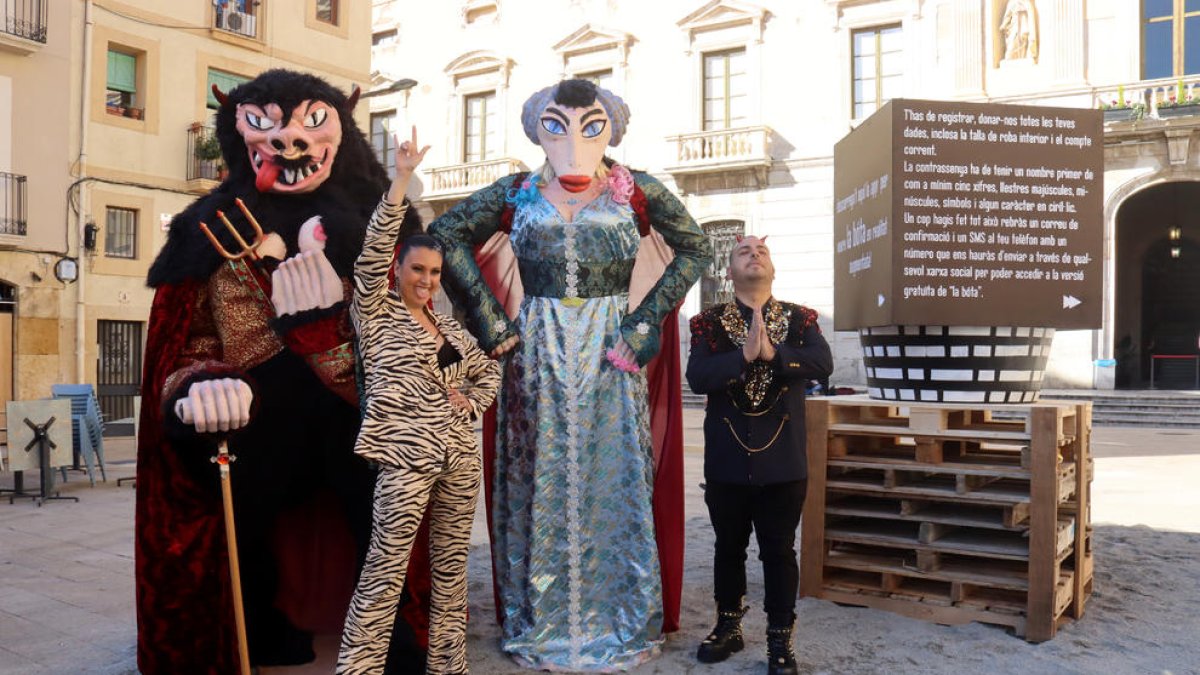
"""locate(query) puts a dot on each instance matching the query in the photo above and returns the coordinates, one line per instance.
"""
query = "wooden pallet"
(940, 512)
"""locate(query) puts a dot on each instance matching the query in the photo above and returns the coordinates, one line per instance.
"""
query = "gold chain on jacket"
(778, 430)
(759, 373)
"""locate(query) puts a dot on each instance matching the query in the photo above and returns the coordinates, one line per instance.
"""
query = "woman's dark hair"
(419, 240)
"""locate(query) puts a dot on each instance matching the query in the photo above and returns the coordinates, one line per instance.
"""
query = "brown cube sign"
(969, 214)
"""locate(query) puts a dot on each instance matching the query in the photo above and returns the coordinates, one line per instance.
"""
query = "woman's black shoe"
(724, 640)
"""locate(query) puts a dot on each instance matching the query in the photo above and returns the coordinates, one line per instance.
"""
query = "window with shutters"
(382, 141)
(225, 82)
(120, 232)
(327, 11)
(1170, 38)
(877, 75)
(725, 95)
(479, 127)
(121, 96)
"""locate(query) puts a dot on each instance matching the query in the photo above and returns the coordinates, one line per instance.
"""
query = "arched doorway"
(1157, 325)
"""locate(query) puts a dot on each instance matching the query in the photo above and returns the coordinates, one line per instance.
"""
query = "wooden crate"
(940, 512)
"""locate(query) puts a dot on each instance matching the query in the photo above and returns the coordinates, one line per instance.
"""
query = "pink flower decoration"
(620, 184)
(620, 363)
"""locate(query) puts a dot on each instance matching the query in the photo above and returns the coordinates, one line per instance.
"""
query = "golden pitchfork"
(247, 249)
(223, 457)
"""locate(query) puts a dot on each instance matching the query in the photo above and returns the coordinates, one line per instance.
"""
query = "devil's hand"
(306, 280)
(216, 405)
(303, 282)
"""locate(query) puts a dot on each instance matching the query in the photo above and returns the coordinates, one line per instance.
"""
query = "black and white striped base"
(955, 364)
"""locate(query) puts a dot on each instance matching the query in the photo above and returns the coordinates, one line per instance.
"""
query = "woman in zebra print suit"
(425, 381)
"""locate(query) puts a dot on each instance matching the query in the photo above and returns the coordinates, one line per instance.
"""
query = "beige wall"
(130, 163)
(35, 121)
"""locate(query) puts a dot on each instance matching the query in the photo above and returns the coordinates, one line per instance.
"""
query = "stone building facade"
(104, 113)
(737, 105)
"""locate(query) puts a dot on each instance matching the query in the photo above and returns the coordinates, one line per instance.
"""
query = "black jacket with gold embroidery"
(754, 421)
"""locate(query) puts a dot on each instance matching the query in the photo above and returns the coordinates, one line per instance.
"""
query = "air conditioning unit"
(237, 22)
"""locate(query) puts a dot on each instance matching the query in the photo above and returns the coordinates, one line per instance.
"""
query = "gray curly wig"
(575, 93)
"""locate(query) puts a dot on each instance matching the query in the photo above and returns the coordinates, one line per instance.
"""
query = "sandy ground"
(66, 587)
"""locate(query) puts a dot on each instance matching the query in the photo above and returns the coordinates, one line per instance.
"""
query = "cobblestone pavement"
(66, 583)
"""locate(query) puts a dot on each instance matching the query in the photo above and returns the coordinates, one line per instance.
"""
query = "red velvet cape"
(185, 610)
(184, 598)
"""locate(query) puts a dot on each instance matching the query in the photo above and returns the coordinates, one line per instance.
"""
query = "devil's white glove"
(216, 405)
(306, 280)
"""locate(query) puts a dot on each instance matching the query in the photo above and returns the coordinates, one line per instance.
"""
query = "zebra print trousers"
(401, 497)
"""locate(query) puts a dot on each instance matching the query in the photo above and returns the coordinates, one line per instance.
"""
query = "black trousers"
(773, 513)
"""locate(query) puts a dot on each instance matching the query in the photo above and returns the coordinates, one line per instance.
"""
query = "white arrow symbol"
(880, 300)
(1071, 302)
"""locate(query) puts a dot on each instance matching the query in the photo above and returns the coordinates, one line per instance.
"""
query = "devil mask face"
(291, 151)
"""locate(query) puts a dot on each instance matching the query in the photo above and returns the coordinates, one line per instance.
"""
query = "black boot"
(725, 639)
(780, 658)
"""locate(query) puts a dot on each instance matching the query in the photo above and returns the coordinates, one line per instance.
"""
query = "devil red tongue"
(266, 176)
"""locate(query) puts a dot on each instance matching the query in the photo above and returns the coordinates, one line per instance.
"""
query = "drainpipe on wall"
(85, 89)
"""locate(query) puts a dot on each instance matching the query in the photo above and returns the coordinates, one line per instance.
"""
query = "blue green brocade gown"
(573, 539)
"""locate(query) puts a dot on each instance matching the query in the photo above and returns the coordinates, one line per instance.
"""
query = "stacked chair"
(87, 425)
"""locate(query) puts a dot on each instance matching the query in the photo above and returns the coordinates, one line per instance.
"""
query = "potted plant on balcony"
(208, 149)
(1180, 102)
(1122, 109)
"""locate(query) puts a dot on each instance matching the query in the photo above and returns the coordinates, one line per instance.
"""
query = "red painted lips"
(575, 183)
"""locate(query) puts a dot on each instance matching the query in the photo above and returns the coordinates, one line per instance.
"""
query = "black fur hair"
(575, 93)
(344, 201)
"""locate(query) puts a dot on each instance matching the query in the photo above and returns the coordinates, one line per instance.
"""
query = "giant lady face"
(574, 140)
(574, 121)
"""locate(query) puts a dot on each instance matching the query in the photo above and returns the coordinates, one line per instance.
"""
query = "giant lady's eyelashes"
(594, 128)
(554, 126)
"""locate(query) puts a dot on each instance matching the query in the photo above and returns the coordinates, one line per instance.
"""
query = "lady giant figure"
(573, 529)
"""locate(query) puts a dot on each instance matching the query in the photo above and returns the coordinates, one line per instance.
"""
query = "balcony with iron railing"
(237, 18)
(730, 153)
(456, 181)
(205, 165)
(1159, 99)
(12, 205)
(23, 24)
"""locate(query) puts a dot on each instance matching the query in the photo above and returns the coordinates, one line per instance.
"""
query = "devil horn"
(354, 94)
(737, 238)
(764, 238)
(222, 97)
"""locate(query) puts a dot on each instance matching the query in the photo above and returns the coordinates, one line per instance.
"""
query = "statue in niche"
(1018, 27)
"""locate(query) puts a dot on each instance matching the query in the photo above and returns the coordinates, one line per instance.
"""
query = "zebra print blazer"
(409, 421)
